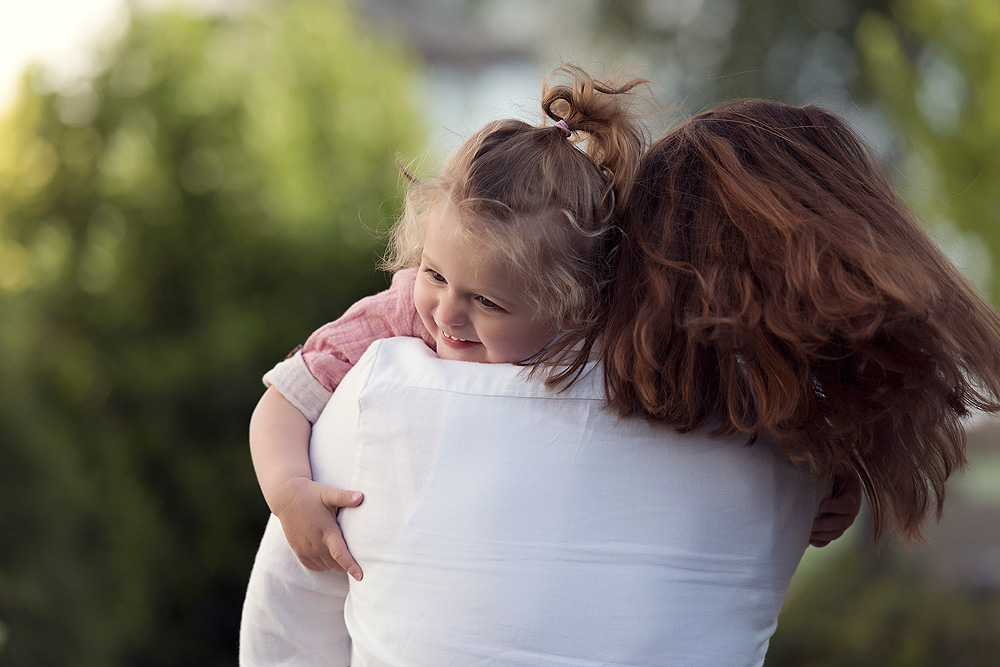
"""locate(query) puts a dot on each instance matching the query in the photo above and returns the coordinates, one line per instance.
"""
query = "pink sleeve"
(335, 347)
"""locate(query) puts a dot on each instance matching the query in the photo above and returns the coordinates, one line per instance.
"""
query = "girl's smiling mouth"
(455, 341)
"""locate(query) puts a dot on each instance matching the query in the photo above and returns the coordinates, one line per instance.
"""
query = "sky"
(59, 34)
(52, 32)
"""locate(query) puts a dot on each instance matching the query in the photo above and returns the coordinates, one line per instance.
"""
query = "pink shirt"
(308, 378)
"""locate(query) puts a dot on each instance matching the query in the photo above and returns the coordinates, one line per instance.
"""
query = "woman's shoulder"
(408, 361)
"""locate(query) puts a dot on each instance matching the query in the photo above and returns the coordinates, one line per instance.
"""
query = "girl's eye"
(486, 303)
(436, 276)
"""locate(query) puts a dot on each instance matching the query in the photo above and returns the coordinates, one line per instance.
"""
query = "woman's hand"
(838, 511)
(307, 511)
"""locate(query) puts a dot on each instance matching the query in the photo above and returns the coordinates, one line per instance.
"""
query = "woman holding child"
(767, 289)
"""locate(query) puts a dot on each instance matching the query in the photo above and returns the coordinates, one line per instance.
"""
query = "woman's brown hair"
(771, 282)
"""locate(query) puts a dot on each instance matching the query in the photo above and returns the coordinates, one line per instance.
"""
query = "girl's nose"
(451, 311)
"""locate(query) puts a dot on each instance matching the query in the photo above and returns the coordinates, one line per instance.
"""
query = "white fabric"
(506, 525)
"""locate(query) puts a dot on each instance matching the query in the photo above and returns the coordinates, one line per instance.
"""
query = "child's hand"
(838, 511)
(307, 513)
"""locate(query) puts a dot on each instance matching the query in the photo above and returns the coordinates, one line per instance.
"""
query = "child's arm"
(279, 445)
(299, 388)
(839, 510)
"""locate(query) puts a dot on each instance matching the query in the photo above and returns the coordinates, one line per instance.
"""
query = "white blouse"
(507, 525)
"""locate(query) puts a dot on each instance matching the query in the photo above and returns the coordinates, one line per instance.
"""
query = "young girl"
(512, 240)
(771, 281)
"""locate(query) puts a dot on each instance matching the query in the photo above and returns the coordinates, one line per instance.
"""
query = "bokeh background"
(188, 189)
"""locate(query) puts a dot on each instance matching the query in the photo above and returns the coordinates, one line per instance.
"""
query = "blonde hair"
(530, 197)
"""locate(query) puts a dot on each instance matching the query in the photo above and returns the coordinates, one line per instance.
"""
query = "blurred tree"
(868, 609)
(168, 230)
(935, 66)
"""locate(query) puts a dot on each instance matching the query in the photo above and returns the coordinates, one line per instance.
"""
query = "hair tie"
(561, 124)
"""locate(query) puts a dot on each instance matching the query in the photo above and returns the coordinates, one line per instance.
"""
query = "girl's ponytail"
(605, 115)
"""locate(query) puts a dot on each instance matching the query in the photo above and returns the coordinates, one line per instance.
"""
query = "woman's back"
(506, 524)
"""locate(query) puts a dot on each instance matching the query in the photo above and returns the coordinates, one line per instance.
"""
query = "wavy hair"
(771, 282)
(540, 200)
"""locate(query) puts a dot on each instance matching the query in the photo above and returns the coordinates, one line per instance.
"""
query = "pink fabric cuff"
(292, 378)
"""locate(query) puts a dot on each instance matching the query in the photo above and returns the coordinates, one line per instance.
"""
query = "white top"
(506, 525)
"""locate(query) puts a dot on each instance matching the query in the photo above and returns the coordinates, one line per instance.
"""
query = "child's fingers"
(839, 510)
(820, 541)
(342, 556)
(832, 523)
(314, 564)
(829, 527)
(845, 497)
(823, 535)
(333, 497)
(336, 556)
(848, 505)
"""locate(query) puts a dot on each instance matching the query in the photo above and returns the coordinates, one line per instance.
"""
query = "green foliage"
(935, 65)
(168, 230)
(882, 610)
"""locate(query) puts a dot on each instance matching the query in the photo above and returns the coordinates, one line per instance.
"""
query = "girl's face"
(467, 304)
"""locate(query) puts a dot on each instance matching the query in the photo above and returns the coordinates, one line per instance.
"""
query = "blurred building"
(486, 59)
(473, 72)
